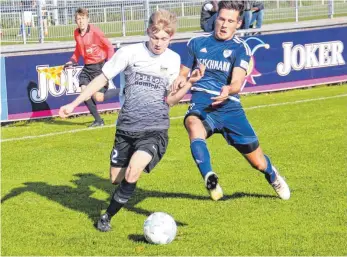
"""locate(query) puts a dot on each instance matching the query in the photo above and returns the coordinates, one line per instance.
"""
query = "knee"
(133, 174)
(195, 128)
(191, 123)
(99, 97)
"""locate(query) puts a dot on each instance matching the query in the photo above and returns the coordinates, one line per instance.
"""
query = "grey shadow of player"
(80, 198)
(37, 106)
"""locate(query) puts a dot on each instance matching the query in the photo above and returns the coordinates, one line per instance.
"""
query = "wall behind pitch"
(298, 59)
(30, 94)
(3, 89)
(279, 61)
(292, 60)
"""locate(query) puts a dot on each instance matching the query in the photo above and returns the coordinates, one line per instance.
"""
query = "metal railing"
(53, 20)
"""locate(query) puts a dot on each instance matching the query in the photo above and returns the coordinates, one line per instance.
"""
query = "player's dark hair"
(237, 5)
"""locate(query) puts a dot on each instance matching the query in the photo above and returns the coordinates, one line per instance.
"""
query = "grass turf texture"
(54, 188)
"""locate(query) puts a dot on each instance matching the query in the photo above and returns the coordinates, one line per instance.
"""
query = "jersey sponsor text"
(215, 65)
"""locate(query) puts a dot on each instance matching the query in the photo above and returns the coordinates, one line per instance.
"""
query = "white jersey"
(145, 80)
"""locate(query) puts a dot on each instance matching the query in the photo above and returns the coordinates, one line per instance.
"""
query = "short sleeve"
(243, 57)
(189, 58)
(117, 63)
(175, 69)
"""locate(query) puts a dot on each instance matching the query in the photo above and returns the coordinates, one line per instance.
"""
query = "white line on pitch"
(172, 118)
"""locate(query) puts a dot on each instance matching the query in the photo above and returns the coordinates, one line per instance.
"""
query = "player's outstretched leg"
(120, 197)
(202, 158)
(276, 181)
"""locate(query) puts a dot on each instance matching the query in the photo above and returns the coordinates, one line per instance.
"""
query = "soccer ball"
(159, 228)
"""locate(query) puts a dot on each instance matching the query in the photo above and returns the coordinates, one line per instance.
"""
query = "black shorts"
(127, 143)
(89, 72)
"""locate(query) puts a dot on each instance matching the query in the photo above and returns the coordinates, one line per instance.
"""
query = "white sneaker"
(280, 186)
(214, 189)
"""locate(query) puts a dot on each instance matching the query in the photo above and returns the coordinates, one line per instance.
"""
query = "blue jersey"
(219, 57)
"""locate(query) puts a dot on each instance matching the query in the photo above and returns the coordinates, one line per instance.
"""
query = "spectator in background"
(253, 12)
(26, 16)
(257, 14)
(247, 15)
(209, 12)
(44, 15)
(95, 49)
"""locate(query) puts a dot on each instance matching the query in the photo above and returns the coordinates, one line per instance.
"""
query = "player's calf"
(120, 197)
(276, 181)
(201, 155)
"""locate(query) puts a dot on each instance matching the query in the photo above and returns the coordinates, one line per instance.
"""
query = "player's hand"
(179, 82)
(224, 94)
(197, 74)
(69, 64)
(66, 110)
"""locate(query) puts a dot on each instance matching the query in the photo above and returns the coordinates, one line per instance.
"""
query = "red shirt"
(93, 46)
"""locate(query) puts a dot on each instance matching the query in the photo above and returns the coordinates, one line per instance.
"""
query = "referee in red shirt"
(95, 49)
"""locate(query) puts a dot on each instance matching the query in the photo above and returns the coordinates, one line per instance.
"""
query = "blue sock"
(201, 156)
(269, 172)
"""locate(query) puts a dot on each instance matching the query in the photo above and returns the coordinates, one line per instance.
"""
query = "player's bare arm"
(181, 79)
(94, 86)
(175, 96)
(234, 87)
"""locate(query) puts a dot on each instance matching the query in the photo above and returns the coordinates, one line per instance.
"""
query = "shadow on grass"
(137, 238)
(52, 121)
(49, 121)
(79, 198)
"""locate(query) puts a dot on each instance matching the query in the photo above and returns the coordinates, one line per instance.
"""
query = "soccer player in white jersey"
(215, 104)
(148, 71)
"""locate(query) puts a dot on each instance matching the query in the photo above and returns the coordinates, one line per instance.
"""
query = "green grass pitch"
(53, 188)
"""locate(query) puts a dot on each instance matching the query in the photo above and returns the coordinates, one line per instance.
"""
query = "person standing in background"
(208, 15)
(26, 16)
(44, 15)
(95, 49)
(247, 14)
(254, 12)
(257, 14)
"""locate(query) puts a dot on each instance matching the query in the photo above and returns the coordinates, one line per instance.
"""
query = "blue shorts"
(229, 120)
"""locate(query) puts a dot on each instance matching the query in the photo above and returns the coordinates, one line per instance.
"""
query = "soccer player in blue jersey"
(215, 104)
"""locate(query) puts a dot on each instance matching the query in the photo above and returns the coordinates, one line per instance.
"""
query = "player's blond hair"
(162, 20)
(82, 12)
